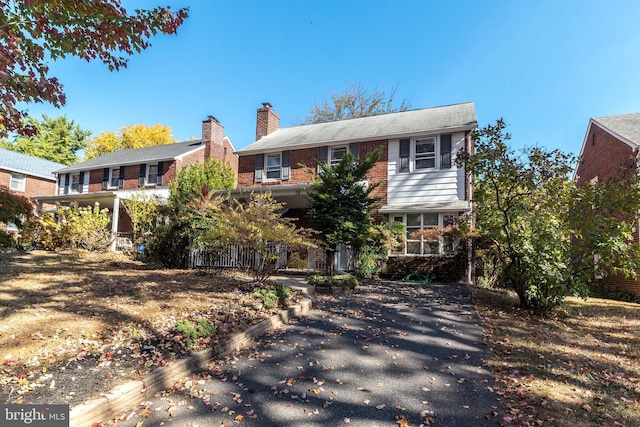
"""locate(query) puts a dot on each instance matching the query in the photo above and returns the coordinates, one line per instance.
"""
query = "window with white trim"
(18, 181)
(273, 165)
(115, 177)
(152, 175)
(336, 154)
(75, 182)
(423, 234)
(425, 153)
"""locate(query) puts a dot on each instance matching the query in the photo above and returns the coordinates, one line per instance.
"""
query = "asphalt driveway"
(387, 354)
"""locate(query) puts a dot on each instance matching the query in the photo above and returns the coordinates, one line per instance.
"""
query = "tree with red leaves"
(32, 32)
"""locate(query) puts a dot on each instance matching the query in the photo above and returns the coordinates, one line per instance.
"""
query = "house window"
(152, 176)
(17, 181)
(422, 234)
(75, 182)
(115, 177)
(336, 154)
(425, 157)
(273, 166)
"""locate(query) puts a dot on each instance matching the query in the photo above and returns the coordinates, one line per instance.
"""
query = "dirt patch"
(579, 367)
(75, 326)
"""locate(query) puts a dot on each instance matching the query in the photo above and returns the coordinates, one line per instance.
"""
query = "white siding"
(85, 182)
(432, 186)
(62, 180)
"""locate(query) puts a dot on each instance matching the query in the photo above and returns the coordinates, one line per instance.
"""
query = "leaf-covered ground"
(578, 368)
(387, 354)
(75, 326)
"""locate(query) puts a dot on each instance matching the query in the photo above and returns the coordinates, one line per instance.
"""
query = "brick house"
(611, 145)
(115, 176)
(26, 175)
(420, 185)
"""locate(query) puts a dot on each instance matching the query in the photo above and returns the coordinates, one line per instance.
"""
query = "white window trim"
(331, 160)
(71, 189)
(111, 177)
(18, 182)
(403, 251)
(436, 152)
(272, 169)
(147, 181)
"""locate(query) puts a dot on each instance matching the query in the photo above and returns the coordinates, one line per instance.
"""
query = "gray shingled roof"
(625, 125)
(28, 165)
(137, 156)
(384, 126)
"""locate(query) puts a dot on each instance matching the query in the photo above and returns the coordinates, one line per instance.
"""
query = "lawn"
(579, 367)
(73, 326)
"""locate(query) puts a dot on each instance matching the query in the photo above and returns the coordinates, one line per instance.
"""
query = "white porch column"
(114, 222)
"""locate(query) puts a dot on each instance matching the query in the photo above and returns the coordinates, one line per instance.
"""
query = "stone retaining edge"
(120, 398)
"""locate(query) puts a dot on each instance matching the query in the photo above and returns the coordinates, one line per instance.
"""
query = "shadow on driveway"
(387, 354)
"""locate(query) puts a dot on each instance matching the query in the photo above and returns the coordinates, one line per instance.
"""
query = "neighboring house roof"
(137, 155)
(625, 126)
(384, 126)
(28, 165)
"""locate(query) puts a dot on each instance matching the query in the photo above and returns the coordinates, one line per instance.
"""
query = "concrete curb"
(127, 395)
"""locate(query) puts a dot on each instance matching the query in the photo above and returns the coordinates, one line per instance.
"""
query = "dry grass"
(105, 311)
(580, 367)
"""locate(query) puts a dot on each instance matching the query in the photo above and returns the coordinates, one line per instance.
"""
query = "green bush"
(192, 332)
(271, 297)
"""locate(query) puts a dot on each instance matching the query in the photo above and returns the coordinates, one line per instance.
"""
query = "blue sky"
(546, 67)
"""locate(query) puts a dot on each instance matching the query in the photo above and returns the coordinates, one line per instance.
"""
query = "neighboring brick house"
(109, 178)
(419, 183)
(610, 146)
(26, 175)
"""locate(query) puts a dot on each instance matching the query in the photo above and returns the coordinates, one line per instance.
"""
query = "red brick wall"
(131, 175)
(34, 186)
(304, 159)
(604, 156)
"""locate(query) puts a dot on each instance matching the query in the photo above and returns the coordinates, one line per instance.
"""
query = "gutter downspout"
(471, 215)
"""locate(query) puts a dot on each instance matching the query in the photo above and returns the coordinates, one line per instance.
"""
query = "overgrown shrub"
(82, 228)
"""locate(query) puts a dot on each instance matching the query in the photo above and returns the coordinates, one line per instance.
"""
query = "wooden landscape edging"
(125, 396)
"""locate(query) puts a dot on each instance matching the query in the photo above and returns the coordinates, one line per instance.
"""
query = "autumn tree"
(143, 209)
(258, 226)
(16, 210)
(356, 101)
(34, 32)
(131, 136)
(341, 203)
(191, 211)
(550, 238)
(57, 139)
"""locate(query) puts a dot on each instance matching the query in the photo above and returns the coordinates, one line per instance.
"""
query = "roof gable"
(384, 126)
(28, 165)
(625, 127)
(137, 156)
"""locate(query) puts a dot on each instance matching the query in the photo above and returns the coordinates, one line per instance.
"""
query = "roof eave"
(460, 128)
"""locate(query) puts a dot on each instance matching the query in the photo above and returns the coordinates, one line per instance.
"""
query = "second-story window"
(152, 177)
(425, 153)
(274, 166)
(336, 154)
(17, 181)
(75, 182)
(115, 177)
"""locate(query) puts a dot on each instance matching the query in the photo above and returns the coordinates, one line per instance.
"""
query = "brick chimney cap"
(211, 118)
(266, 105)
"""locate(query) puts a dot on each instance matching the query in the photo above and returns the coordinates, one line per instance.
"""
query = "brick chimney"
(212, 133)
(267, 121)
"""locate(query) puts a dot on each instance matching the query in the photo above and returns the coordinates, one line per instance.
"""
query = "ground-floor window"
(423, 233)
